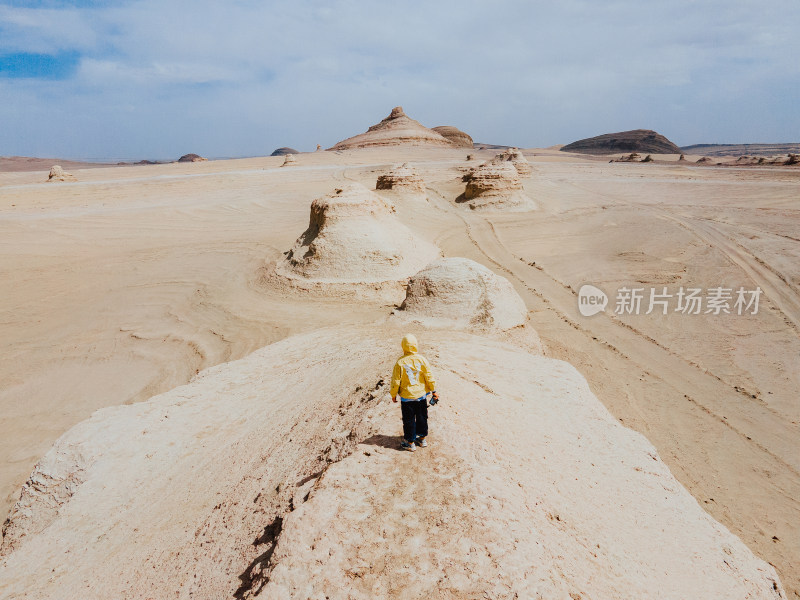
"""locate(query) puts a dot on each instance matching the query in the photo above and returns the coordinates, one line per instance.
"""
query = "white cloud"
(258, 75)
(44, 31)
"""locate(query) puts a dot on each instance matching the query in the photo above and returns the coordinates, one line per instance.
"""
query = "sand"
(128, 282)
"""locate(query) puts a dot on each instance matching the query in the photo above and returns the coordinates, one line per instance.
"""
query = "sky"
(155, 79)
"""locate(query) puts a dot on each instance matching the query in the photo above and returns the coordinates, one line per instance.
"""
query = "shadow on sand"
(392, 442)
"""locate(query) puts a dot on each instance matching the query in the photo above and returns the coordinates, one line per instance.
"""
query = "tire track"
(752, 422)
(774, 285)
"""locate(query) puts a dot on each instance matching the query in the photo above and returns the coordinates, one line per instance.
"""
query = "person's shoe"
(420, 441)
(406, 446)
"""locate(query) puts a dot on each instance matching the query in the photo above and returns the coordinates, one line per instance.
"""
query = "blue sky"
(157, 79)
(30, 65)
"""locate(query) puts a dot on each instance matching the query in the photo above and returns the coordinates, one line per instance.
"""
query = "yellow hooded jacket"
(411, 375)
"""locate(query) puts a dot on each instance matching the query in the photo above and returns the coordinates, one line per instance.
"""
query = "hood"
(409, 343)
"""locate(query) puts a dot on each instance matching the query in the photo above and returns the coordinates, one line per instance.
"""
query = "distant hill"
(29, 163)
(192, 158)
(637, 140)
(741, 149)
(396, 129)
(483, 146)
(284, 151)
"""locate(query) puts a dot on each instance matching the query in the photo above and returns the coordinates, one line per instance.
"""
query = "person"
(412, 380)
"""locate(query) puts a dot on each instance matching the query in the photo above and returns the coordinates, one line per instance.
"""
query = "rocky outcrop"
(277, 476)
(516, 158)
(58, 174)
(457, 137)
(288, 160)
(185, 481)
(495, 185)
(284, 151)
(459, 293)
(191, 158)
(637, 140)
(396, 129)
(401, 177)
(355, 244)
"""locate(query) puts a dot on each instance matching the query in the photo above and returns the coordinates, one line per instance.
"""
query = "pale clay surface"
(552, 496)
(131, 279)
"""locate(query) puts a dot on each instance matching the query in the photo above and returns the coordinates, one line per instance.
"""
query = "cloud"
(156, 79)
(45, 30)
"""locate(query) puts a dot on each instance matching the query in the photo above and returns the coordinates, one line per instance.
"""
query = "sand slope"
(534, 491)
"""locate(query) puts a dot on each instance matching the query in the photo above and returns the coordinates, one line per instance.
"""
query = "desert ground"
(133, 280)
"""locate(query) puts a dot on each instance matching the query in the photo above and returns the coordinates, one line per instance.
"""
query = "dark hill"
(284, 151)
(191, 158)
(638, 140)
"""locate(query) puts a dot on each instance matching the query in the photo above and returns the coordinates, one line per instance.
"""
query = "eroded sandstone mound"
(353, 238)
(516, 158)
(636, 140)
(395, 129)
(462, 294)
(284, 151)
(59, 174)
(495, 185)
(402, 177)
(288, 160)
(242, 484)
(456, 136)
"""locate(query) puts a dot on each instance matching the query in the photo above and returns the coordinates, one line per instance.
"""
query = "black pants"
(415, 419)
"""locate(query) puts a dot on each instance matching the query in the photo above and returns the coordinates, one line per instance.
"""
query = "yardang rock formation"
(354, 244)
(242, 484)
(637, 140)
(516, 158)
(495, 185)
(402, 177)
(456, 136)
(59, 174)
(461, 294)
(395, 129)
